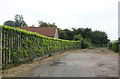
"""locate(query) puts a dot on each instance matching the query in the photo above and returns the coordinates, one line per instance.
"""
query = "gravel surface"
(81, 63)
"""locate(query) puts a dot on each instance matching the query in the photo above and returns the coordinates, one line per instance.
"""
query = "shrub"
(86, 44)
(113, 46)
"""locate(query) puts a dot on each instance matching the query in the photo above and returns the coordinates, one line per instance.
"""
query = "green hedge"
(114, 46)
(86, 44)
(21, 46)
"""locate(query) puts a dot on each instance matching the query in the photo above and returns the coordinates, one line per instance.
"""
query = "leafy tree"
(78, 37)
(65, 34)
(45, 24)
(42, 24)
(99, 38)
(69, 34)
(62, 34)
(87, 34)
(10, 23)
(19, 21)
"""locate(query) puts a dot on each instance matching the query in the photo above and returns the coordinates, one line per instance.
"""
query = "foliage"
(69, 35)
(86, 44)
(44, 24)
(19, 20)
(114, 46)
(96, 38)
(20, 46)
(99, 38)
(87, 34)
(66, 34)
(78, 37)
(10, 23)
(62, 34)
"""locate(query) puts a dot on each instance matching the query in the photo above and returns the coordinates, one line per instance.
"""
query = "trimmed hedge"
(20, 46)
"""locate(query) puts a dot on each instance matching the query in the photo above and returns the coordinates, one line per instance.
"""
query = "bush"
(113, 46)
(86, 44)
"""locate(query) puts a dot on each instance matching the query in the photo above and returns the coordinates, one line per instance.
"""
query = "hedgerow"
(20, 46)
(114, 46)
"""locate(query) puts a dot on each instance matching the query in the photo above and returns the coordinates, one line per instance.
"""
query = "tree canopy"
(45, 24)
(10, 23)
(97, 38)
(78, 37)
(19, 21)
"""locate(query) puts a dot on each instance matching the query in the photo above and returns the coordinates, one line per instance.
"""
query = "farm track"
(99, 62)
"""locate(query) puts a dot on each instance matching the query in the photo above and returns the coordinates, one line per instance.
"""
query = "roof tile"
(46, 31)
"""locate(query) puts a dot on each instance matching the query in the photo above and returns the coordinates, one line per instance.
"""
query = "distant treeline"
(96, 38)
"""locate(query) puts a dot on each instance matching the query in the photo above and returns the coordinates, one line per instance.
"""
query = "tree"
(87, 34)
(78, 31)
(45, 24)
(78, 37)
(69, 34)
(99, 38)
(10, 23)
(19, 21)
(62, 34)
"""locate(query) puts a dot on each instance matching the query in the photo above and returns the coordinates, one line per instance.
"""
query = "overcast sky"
(95, 14)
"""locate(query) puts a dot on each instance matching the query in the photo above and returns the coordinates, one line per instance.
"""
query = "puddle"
(100, 65)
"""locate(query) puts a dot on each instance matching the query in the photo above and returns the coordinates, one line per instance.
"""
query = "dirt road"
(80, 63)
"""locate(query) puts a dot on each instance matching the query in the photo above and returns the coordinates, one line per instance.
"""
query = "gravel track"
(81, 63)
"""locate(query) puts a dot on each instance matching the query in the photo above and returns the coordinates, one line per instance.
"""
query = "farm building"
(46, 31)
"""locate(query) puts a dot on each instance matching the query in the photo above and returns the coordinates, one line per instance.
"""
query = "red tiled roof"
(46, 31)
